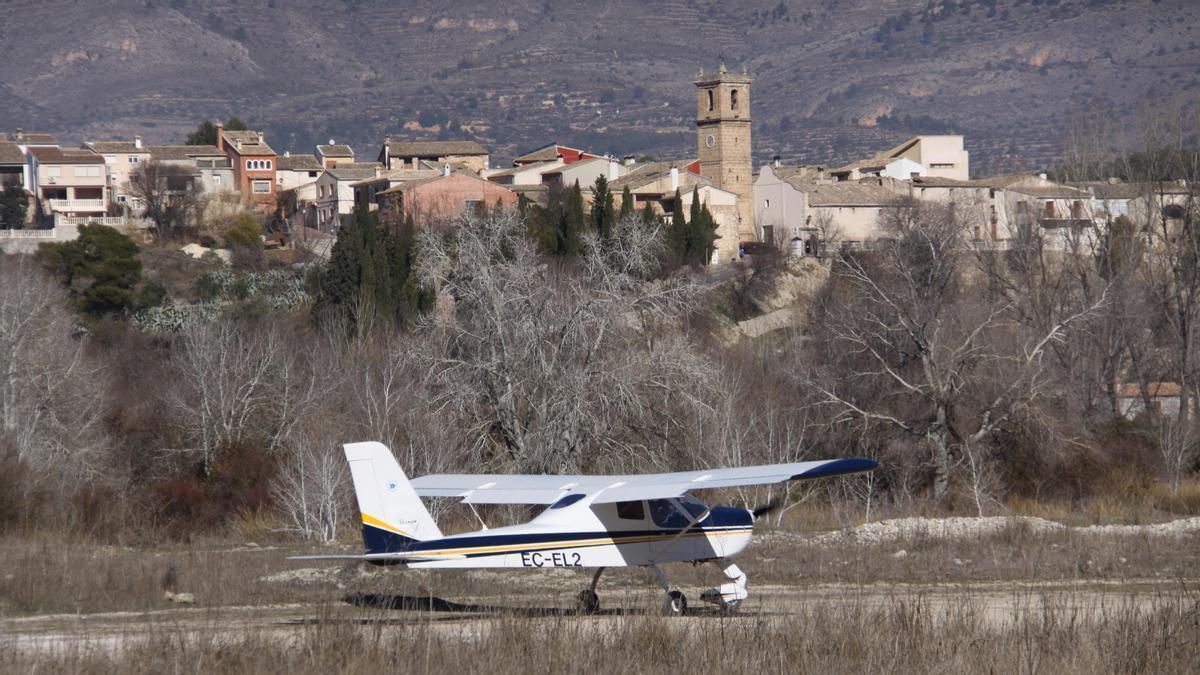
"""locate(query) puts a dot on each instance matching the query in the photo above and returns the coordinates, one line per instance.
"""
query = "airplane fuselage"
(622, 534)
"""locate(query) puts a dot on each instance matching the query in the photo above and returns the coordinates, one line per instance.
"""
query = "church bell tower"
(723, 135)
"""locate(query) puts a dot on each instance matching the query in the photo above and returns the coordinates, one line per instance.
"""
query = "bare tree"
(916, 347)
(223, 393)
(557, 369)
(168, 193)
(51, 393)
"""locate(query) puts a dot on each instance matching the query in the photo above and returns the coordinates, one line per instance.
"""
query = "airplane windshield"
(692, 505)
(666, 514)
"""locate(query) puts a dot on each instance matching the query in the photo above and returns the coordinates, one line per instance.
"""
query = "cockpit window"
(664, 513)
(631, 510)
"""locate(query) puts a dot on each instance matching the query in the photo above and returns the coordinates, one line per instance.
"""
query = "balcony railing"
(74, 205)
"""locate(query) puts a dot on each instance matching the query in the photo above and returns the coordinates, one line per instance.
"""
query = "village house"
(442, 198)
(1060, 212)
(122, 158)
(656, 184)
(12, 164)
(1157, 398)
(292, 171)
(553, 153)
(522, 174)
(365, 190)
(332, 154)
(584, 172)
(899, 168)
(212, 168)
(1114, 198)
(801, 206)
(253, 165)
(335, 194)
(73, 183)
(942, 156)
(469, 155)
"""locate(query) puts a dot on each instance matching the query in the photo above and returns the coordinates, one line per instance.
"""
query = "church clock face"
(710, 141)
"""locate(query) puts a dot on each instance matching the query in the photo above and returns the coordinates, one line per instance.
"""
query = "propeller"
(760, 511)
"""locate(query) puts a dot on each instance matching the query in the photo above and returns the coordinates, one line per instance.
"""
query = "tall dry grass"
(901, 637)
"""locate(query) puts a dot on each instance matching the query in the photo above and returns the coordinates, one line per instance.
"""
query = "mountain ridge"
(834, 81)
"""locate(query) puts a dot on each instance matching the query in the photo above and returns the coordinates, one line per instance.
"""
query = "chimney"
(220, 137)
(445, 169)
(775, 161)
(613, 170)
(629, 160)
(674, 179)
(137, 142)
(387, 156)
(287, 153)
(260, 137)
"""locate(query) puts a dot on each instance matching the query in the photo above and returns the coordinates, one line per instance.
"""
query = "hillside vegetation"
(834, 80)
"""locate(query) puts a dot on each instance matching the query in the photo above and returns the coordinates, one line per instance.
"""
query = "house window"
(472, 204)
(733, 99)
(110, 159)
(87, 172)
(261, 187)
(216, 180)
(133, 159)
(767, 204)
(258, 164)
(53, 171)
(312, 174)
(121, 199)
(710, 100)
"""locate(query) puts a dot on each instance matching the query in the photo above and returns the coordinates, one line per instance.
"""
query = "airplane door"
(672, 516)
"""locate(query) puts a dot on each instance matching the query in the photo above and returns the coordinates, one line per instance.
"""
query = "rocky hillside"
(836, 79)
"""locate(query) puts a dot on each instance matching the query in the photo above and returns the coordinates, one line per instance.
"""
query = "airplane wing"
(544, 489)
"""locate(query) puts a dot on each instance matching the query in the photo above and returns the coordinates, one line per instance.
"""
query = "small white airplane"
(592, 521)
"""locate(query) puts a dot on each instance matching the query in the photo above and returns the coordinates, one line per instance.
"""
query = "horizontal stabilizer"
(398, 556)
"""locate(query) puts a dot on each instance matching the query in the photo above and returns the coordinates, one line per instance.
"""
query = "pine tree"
(13, 207)
(626, 204)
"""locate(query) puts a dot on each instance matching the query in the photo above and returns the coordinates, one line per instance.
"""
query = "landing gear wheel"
(587, 602)
(675, 604)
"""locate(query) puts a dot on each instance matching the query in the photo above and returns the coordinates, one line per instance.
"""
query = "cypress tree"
(677, 234)
(571, 227)
(704, 233)
(603, 217)
(648, 214)
(626, 204)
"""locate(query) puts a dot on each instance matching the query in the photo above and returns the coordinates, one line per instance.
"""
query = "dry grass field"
(1013, 598)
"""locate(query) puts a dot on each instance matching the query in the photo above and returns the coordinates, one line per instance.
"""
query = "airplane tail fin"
(393, 516)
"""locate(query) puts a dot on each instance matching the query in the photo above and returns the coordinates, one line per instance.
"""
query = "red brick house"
(254, 165)
(443, 198)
